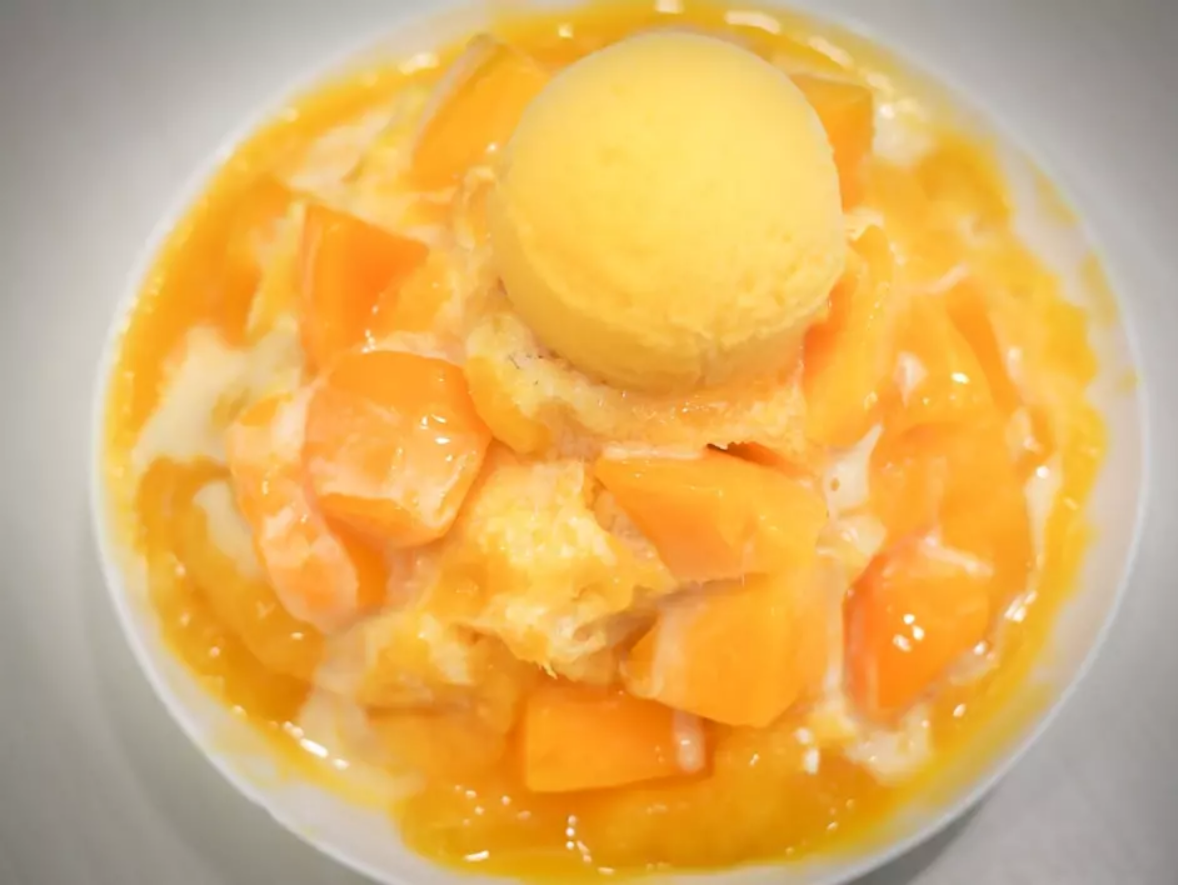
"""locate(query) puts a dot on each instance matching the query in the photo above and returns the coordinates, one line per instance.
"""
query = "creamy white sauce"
(890, 754)
(228, 530)
(207, 374)
(947, 280)
(845, 483)
(1041, 489)
(910, 371)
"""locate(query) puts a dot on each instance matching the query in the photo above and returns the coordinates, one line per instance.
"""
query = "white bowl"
(365, 840)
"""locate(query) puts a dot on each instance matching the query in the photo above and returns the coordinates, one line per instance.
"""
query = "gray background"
(107, 106)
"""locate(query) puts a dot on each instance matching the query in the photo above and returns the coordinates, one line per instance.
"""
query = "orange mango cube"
(577, 737)
(966, 304)
(916, 611)
(254, 224)
(416, 304)
(393, 445)
(321, 573)
(241, 597)
(738, 652)
(716, 516)
(846, 358)
(474, 110)
(964, 482)
(346, 265)
(939, 377)
(965, 179)
(847, 112)
(495, 405)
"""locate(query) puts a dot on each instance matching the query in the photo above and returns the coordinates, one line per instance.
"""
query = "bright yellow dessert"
(666, 215)
(658, 444)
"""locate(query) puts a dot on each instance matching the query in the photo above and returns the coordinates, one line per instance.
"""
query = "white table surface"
(107, 106)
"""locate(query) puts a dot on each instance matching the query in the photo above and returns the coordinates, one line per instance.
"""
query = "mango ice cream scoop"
(667, 214)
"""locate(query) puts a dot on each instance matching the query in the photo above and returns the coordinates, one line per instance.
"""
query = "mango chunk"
(739, 652)
(939, 377)
(474, 110)
(496, 406)
(846, 358)
(967, 307)
(965, 179)
(393, 445)
(716, 516)
(437, 743)
(963, 482)
(417, 304)
(581, 738)
(345, 266)
(847, 112)
(322, 574)
(916, 611)
(214, 543)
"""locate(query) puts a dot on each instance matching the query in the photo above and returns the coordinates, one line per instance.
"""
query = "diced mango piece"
(474, 110)
(847, 112)
(215, 545)
(966, 180)
(495, 405)
(277, 297)
(916, 611)
(738, 652)
(393, 445)
(716, 516)
(580, 738)
(255, 222)
(322, 574)
(417, 303)
(962, 481)
(939, 378)
(437, 743)
(966, 304)
(345, 266)
(847, 357)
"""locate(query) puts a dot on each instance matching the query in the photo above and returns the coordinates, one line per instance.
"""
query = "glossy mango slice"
(847, 112)
(437, 743)
(193, 629)
(474, 110)
(580, 738)
(962, 482)
(967, 308)
(416, 304)
(916, 611)
(738, 652)
(716, 516)
(846, 358)
(393, 445)
(255, 222)
(962, 177)
(322, 574)
(938, 375)
(495, 405)
(345, 266)
(210, 535)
